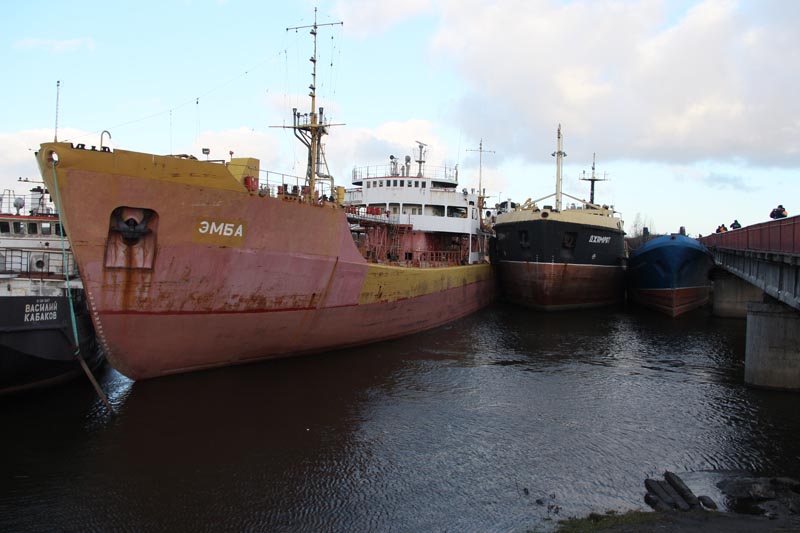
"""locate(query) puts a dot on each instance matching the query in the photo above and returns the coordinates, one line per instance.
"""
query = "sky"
(691, 108)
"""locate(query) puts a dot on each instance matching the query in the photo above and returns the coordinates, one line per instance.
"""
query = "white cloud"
(55, 46)
(17, 155)
(369, 17)
(627, 81)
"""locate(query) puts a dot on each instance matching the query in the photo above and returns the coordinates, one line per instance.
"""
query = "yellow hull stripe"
(390, 284)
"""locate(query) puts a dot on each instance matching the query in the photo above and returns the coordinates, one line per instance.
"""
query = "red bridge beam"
(780, 236)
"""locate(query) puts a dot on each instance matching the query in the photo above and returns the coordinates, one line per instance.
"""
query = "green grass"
(599, 522)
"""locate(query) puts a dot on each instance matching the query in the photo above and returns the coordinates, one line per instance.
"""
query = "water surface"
(503, 421)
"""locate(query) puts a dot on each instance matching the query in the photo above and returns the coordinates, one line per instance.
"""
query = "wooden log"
(707, 502)
(656, 503)
(680, 503)
(653, 486)
(681, 488)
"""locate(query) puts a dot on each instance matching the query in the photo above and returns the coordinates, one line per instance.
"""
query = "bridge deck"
(766, 255)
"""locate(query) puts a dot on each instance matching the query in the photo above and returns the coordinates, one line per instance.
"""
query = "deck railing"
(437, 258)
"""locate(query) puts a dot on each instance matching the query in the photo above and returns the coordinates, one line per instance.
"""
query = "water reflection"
(497, 422)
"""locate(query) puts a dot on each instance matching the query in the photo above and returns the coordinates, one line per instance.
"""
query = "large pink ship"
(191, 264)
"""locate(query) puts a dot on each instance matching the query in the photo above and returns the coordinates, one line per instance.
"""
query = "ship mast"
(310, 131)
(560, 155)
(593, 179)
(480, 151)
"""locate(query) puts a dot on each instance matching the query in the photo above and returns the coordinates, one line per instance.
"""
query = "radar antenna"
(421, 160)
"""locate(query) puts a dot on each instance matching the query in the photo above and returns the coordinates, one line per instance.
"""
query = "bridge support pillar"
(732, 294)
(772, 353)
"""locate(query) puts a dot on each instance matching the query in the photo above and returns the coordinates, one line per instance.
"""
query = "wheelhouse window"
(33, 228)
(5, 227)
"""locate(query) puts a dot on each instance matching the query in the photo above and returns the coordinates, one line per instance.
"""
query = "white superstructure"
(427, 199)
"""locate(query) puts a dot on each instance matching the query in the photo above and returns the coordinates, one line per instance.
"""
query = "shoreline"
(750, 503)
(677, 521)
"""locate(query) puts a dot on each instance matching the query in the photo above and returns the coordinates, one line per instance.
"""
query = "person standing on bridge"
(736, 224)
(778, 212)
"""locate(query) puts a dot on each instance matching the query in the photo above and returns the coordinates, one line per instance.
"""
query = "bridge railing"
(781, 236)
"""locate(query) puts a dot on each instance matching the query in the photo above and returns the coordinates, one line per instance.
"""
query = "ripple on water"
(501, 421)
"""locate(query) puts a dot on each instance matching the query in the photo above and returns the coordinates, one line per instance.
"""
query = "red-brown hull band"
(672, 302)
(560, 286)
(177, 342)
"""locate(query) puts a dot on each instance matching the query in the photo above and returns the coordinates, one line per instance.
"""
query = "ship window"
(5, 227)
(60, 230)
(416, 183)
(380, 183)
(47, 228)
(19, 228)
(402, 183)
(423, 184)
(394, 183)
(569, 240)
(523, 239)
(368, 184)
(33, 229)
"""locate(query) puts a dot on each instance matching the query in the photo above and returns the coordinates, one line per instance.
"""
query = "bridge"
(758, 276)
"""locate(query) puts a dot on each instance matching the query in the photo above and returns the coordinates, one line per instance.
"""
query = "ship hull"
(37, 345)
(671, 302)
(670, 274)
(178, 343)
(560, 286)
(553, 265)
(223, 276)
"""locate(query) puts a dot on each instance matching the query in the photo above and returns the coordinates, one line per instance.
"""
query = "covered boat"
(192, 264)
(40, 284)
(670, 273)
(561, 256)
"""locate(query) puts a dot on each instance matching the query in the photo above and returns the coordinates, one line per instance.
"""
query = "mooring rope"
(73, 319)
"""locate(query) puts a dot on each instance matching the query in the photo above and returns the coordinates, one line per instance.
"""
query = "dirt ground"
(710, 521)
